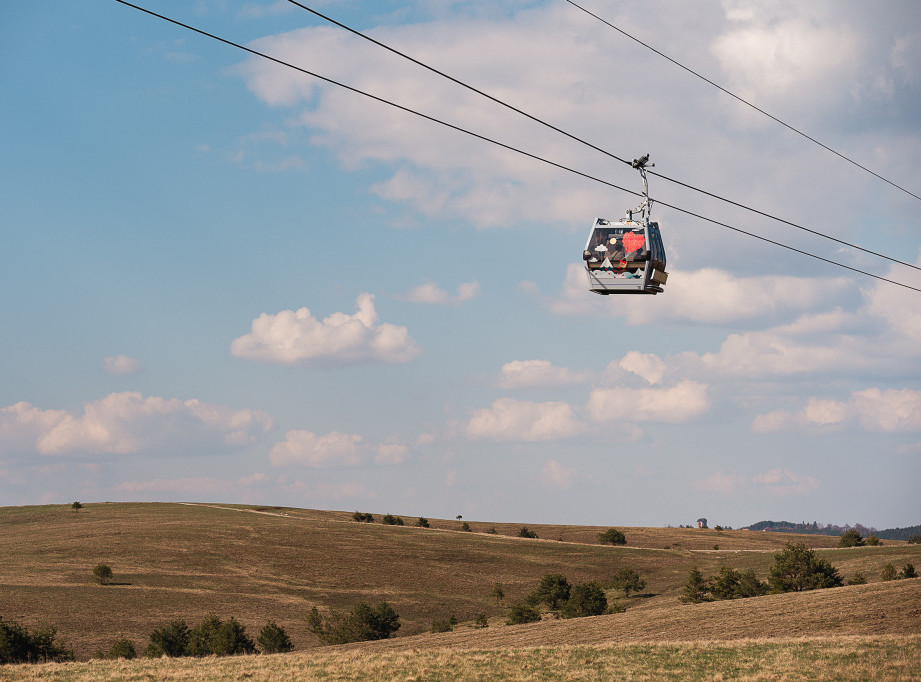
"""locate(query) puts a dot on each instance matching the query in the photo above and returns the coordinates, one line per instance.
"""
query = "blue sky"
(226, 281)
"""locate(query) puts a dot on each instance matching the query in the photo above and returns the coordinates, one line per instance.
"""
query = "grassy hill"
(259, 564)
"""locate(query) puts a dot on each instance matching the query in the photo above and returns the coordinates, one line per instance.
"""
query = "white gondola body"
(625, 257)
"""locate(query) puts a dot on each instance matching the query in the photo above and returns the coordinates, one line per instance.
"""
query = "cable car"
(627, 256)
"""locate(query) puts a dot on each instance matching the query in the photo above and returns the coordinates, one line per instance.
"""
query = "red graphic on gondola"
(633, 242)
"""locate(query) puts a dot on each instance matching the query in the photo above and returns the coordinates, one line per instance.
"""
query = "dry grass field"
(258, 564)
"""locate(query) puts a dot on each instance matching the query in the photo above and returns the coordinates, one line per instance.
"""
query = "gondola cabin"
(625, 257)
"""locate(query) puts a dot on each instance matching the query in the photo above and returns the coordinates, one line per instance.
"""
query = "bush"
(585, 600)
(850, 538)
(872, 541)
(526, 532)
(122, 648)
(909, 571)
(612, 536)
(497, 593)
(481, 621)
(493, 531)
(171, 639)
(214, 637)
(361, 624)
(553, 590)
(915, 539)
(522, 613)
(422, 522)
(797, 569)
(441, 625)
(858, 579)
(889, 572)
(466, 527)
(696, 589)
(273, 639)
(102, 573)
(18, 645)
(391, 520)
(76, 506)
(629, 581)
(362, 517)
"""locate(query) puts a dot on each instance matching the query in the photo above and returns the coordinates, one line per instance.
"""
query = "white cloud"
(391, 452)
(510, 419)
(776, 483)
(720, 482)
(646, 365)
(308, 449)
(121, 364)
(873, 409)
(536, 373)
(124, 423)
(557, 475)
(292, 337)
(675, 405)
(189, 486)
(432, 293)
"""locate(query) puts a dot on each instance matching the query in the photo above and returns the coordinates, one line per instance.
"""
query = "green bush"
(441, 625)
(391, 520)
(497, 593)
(526, 532)
(481, 621)
(522, 613)
(363, 517)
(422, 522)
(122, 648)
(273, 639)
(76, 506)
(850, 538)
(214, 637)
(797, 569)
(629, 581)
(585, 600)
(362, 623)
(466, 527)
(872, 541)
(171, 639)
(889, 572)
(858, 579)
(915, 539)
(612, 536)
(909, 571)
(18, 645)
(102, 573)
(553, 590)
(696, 589)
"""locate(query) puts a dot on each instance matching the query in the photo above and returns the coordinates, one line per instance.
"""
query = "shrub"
(18, 645)
(363, 517)
(362, 623)
(102, 573)
(522, 613)
(915, 539)
(750, 586)
(441, 625)
(422, 522)
(273, 639)
(171, 639)
(612, 536)
(122, 648)
(466, 527)
(889, 572)
(629, 581)
(553, 590)
(909, 571)
(497, 593)
(797, 569)
(392, 520)
(727, 584)
(526, 532)
(696, 589)
(481, 621)
(585, 600)
(76, 506)
(858, 579)
(850, 538)
(493, 531)
(872, 541)
(214, 637)
(315, 621)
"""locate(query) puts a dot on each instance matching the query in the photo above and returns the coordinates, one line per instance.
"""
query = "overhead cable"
(580, 140)
(742, 100)
(501, 144)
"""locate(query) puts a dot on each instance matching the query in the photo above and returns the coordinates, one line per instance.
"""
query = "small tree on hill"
(102, 573)
(750, 586)
(170, 639)
(497, 593)
(612, 536)
(909, 571)
(273, 639)
(915, 539)
(363, 517)
(696, 589)
(727, 584)
(422, 522)
(797, 569)
(466, 527)
(629, 581)
(850, 538)
(553, 590)
(526, 532)
(872, 541)
(392, 520)
(522, 613)
(76, 506)
(362, 623)
(585, 600)
(122, 648)
(889, 572)
(214, 637)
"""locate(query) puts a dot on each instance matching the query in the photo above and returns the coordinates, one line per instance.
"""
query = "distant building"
(701, 522)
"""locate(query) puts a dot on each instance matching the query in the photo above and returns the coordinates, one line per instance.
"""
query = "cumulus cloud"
(510, 420)
(873, 409)
(308, 449)
(121, 364)
(536, 373)
(646, 365)
(557, 475)
(432, 293)
(393, 451)
(677, 404)
(297, 337)
(125, 423)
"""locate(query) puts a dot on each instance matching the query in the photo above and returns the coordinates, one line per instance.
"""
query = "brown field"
(259, 564)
